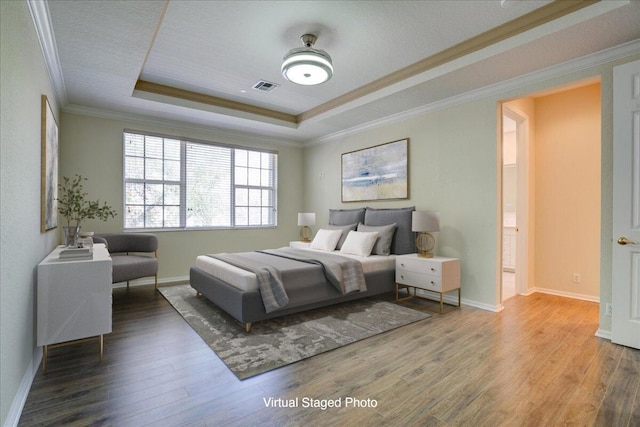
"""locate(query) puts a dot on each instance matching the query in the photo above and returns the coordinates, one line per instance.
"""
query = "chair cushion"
(129, 267)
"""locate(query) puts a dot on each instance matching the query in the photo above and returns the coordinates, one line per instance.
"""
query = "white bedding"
(246, 280)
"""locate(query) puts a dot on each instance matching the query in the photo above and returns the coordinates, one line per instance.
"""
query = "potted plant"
(73, 204)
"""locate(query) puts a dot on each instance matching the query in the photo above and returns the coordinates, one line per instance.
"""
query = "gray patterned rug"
(288, 339)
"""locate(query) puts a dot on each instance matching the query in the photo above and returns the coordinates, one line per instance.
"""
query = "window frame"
(233, 186)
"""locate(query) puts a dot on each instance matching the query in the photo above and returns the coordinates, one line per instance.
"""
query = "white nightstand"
(438, 274)
(300, 244)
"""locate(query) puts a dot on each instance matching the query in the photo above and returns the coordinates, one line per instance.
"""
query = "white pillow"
(359, 243)
(326, 240)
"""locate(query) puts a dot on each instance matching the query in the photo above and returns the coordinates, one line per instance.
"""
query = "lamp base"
(305, 234)
(425, 255)
(425, 244)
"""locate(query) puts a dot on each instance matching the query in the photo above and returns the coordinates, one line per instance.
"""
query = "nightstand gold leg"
(101, 347)
(45, 354)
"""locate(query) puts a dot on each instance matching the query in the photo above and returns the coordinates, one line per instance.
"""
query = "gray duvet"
(279, 269)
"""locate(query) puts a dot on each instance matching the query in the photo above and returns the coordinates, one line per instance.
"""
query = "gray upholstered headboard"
(403, 239)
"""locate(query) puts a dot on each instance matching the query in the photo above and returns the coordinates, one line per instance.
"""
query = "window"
(171, 183)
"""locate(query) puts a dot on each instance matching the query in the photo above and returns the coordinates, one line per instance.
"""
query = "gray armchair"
(133, 255)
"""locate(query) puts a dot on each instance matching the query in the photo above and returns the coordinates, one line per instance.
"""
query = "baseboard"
(602, 333)
(452, 298)
(20, 398)
(567, 294)
(150, 281)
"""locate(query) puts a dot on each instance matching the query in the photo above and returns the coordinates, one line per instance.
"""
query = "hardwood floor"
(537, 363)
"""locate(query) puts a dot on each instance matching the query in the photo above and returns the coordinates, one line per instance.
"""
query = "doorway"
(509, 203)
(514, 140)
(557, 200)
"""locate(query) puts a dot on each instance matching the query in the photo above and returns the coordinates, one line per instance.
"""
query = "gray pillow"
(345, 230)
(346, 216)
(404, 238)
(385, 237)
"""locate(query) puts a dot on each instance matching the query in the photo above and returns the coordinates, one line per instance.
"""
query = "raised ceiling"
(196, 61)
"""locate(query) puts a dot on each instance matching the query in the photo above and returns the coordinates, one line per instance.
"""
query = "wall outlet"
(609, 309)
(576, 278)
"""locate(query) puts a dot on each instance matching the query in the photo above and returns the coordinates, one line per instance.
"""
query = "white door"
(625, 325)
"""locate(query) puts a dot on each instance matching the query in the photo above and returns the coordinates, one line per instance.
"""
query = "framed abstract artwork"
(49, 168)
(376, 173)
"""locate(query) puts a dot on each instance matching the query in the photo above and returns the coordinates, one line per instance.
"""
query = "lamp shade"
(425, 221)
(308, 218)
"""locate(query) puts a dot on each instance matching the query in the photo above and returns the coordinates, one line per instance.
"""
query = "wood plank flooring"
(537, 363)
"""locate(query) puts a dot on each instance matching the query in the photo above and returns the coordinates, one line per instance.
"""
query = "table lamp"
(424, 223)
(305, 220)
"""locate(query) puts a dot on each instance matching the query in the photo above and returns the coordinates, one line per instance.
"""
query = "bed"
(236, 287)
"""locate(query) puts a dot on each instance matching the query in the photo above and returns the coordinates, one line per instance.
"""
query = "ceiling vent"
(265, 86)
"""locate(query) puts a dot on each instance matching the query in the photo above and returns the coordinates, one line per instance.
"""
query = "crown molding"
(523, 81)
(176, 124)
(230, 107)
(42, 22)
(515, 27)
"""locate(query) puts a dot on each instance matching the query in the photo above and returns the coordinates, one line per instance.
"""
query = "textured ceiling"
(221, 48)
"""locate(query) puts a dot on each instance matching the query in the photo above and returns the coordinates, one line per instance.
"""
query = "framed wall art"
(376, 173)
(49, 168)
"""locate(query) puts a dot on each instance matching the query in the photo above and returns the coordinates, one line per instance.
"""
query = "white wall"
(92, 147)
(23, 79)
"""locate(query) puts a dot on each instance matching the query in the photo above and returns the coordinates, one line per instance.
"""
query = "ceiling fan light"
(307, 66)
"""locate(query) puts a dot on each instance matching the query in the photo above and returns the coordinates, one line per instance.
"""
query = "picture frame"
(380, 172)
(49, 167)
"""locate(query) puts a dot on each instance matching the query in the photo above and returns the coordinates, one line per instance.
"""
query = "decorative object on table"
(85, 239)
(288, 339)
(376, 173)
(306, 65)
(49, 168)
(304, 221)
(73, 204)
(425, 223)
(76, 253)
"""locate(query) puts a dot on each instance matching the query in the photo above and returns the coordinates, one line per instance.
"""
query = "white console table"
(74, 299)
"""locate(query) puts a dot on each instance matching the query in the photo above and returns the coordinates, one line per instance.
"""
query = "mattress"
(246, 280)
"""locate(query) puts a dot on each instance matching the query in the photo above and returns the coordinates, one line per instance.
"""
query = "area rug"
(278, 342)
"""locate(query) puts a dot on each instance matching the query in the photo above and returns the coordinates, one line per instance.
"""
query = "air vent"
(265, 86)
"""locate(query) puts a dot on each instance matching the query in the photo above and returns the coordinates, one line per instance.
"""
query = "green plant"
(73, 203)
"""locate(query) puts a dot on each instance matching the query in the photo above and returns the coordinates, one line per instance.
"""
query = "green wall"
(23, 79)
(452, 169)
(92, 147)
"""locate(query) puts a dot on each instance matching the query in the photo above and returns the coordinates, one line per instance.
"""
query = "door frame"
(522, 204)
